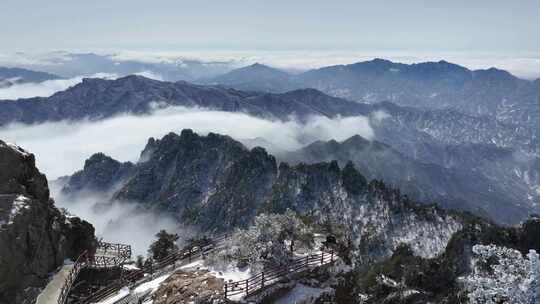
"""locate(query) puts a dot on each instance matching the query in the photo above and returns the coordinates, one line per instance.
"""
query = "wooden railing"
(80, 263)
(185, 255)
(273, 275)
(107, 255)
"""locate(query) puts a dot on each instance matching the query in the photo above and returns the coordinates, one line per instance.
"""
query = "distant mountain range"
(428, 85)
(99, 98)
(462, 161)
(11, 76)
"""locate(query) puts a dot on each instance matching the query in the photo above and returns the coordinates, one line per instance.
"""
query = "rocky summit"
(35, 237)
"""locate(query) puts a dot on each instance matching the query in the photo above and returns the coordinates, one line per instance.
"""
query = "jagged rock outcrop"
(211, 181)
(217, 184)
(35, 237)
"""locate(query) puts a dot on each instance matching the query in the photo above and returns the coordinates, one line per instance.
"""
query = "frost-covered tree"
(270, 239)
(503, 275)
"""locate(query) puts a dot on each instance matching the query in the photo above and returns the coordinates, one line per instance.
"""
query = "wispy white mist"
(62, 147)
(45, 88)
(119, 222)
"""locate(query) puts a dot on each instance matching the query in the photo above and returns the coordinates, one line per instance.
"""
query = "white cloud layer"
(521, 64)
(62, 147)
(45, 88)
(49, 87)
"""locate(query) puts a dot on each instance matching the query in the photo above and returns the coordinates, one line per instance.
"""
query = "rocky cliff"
(35, 237)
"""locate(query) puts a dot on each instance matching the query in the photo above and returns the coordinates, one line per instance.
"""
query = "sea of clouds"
(49, 87)
(62, 147)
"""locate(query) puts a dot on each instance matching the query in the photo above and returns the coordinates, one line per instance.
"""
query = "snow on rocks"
(232, 274)
(189, 287)
(18, 149)
(20, 203)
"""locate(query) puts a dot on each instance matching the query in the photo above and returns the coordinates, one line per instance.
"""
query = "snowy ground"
(230, 274)
(300, 294)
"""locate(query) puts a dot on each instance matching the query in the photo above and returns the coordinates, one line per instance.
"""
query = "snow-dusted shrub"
(503, 275)
(269, 239)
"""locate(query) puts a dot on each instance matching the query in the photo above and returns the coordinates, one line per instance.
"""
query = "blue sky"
(509, 27)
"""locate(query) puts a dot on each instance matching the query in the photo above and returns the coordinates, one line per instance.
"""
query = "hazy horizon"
(501, 26)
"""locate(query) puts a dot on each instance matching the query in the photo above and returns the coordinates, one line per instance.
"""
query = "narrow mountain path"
(51, 292)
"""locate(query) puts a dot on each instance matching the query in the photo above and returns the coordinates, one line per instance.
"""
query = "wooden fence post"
(332, 256)
(225, 290)
(322, 258)
(189, 254)
(247, 287)
(262, 281)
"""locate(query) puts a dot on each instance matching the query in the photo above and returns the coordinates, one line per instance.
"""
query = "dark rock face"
(100, 173)
(35, 237)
